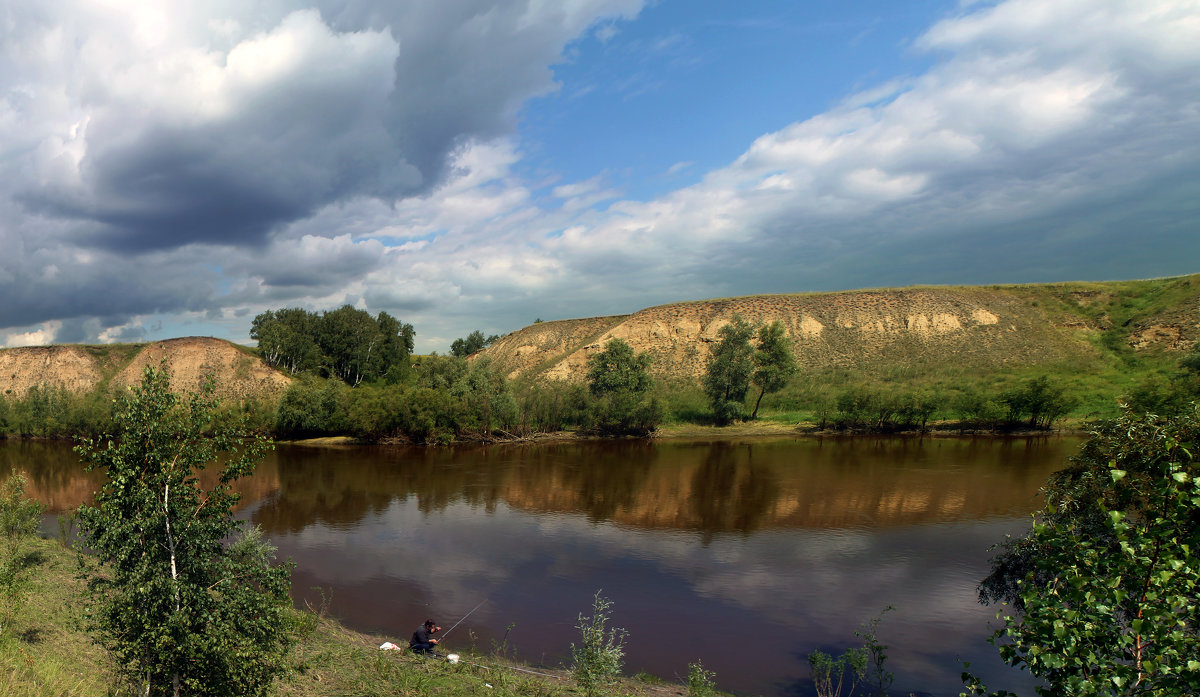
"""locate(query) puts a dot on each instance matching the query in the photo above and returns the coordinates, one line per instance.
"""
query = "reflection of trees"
(56, 478)
(726, 496)
(614, 482)
(711, 487)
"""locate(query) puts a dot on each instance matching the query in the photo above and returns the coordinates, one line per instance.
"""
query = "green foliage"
(617, 369)
(865, 664)
(53, 411)
(313, 407)
(619, 382)
(554, 407)
(700, 682)
(596, 663)
(884, 409)
(976, 410)
(875, 675)
(1190, 363)
(287, 339)
(833, 675)
(727, 378)
(1105, 589)
(774, 363)
(473, 343)
(346, 343)
(1168, 393)
(624, 413)
(450, 399)
(1039, 399)
(19, 517)
(188, 601)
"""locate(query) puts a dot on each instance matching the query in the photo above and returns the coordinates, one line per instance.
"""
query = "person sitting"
(422, 640)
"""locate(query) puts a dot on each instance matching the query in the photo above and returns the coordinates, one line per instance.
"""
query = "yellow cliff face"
(981, 327)
(69, 366)
(80, 368)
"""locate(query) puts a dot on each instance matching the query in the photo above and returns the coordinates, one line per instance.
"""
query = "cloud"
(166, 130)
(40, 337)
(1023, 154)
(134, 132)
(180, 158)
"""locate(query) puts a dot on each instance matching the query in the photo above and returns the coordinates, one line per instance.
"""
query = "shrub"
(18, 522)
(1038, 399)
(313, 407)
(597, 662)
(833, 675)
(700, 682)
(1104, 585)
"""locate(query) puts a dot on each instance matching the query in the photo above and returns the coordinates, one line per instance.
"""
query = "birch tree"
(186, 599)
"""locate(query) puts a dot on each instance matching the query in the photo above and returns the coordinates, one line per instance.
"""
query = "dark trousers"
(421, 648)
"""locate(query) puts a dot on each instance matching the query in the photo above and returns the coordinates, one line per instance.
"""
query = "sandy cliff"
(985, 327)
(238, 374)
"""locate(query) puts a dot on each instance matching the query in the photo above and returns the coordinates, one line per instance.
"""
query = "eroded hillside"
(869, 330)
(238, 374)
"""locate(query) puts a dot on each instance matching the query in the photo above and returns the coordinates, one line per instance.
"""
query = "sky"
(172, 168)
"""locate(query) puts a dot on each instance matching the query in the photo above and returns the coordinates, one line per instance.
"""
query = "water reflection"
(796, 541)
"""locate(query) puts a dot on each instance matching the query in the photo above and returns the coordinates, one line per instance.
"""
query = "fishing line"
(463, 618)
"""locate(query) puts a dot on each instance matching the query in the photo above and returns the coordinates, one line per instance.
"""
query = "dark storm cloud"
(56, 283)
(300, 115)
(311, 262)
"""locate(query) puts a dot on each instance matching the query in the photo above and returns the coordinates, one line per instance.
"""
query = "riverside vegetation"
(353, 374)
(389, 394)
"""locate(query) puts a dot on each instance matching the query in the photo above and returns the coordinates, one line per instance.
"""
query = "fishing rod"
(463, 618)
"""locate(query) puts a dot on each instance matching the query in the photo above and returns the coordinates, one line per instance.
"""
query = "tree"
(474, 343)
(774, 363)
(728, 376)
(346, 343)
(18, 522)
(1043, 401)
(287, 339)
(620, 382)
(1104, 592)
(617, 369)
(190, 601)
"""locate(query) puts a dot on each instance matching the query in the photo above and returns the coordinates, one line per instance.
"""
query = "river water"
(745, 554)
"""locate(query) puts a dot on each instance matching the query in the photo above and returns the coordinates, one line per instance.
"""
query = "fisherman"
(422, 640)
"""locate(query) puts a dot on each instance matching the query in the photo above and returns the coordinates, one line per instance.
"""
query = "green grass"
(47, 653)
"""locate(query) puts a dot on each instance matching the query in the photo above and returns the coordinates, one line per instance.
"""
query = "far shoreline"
(689, 431)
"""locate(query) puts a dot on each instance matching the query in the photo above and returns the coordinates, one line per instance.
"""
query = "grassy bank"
(45, 652)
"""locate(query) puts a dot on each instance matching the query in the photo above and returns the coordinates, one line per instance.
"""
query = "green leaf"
(1117, 475)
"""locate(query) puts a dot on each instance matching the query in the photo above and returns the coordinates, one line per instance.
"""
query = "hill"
(1089, 326)
(239, 374)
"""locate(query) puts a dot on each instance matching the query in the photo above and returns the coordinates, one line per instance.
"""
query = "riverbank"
(44, 651)
(760, 428)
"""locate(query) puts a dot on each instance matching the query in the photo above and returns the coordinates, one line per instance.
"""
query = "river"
(746, 554)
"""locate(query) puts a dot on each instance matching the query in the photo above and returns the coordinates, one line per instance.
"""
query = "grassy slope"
(46, 653)
(1086, 325)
